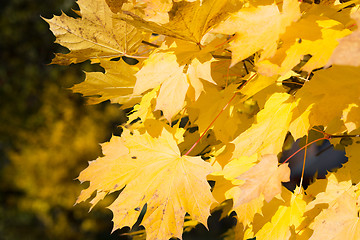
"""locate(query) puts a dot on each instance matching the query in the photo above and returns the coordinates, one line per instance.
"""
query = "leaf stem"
(217, 116)
(303, 168)
(329, 136)
(308, 144)
(212, 122)
(150, 44)
(343, 135)
(221, 56)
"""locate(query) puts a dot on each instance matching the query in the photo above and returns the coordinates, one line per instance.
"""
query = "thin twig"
(217, 116)
(221, 56)
(150, 44)
(319, 139)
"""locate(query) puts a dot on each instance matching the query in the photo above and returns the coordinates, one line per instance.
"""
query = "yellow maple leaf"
(188, 20)
(239, 166)
(339, 221)
(351, 117)
(245, 212)
(208, 106)
(288, 215)
(116, 84)
(264, 178)
(152, 172)
(327, 95)
(226, 187)
(165, 67)
(353, 163)
(334, 189)
(115, 5)
(95, 35)
(161, 68)
(144, 110)
(348, 50)
(256, 83)
(314, 35)
(155, 10)
(267, 135)
(255, 32)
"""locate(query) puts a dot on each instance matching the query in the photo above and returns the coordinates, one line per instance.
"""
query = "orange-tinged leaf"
(155, 10)
(226, 187)
(115, 5)
(340, 221)
(348, 50)
(255, 32)
(93, 36)
(263, 178)
(116, 84)
(153, 173)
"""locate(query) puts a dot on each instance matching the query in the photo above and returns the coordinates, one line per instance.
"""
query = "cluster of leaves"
(215, 89)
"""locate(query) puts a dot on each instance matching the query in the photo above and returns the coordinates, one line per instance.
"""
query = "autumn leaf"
(224, 83)
(164, 69)
(353, 164)
(256, 32)
(155, 10)
(348, 50)
(267, 135)
(209, 104)
(334, 188)
(144, 109)
(324, 98)
(264, 178)
(339, 221)
(115, 5)
(116, 84)
(288, 215)
(153, 173)
(255, 83)
(188, 20)
(227, 187)
(314, 35)
(94, 35)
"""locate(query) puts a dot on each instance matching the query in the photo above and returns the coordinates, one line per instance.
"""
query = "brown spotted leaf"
(95, 35)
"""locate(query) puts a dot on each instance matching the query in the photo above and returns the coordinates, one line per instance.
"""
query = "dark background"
(47, 133)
